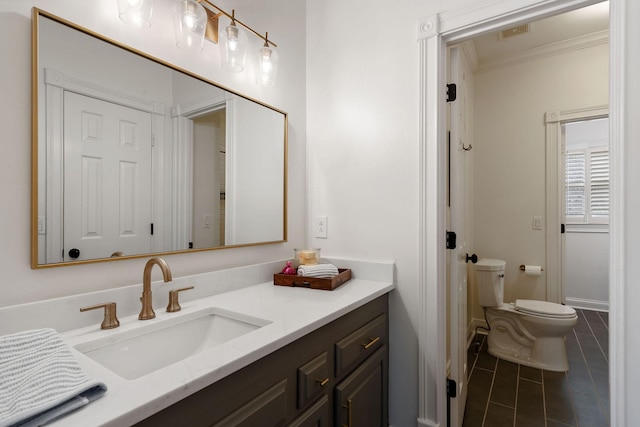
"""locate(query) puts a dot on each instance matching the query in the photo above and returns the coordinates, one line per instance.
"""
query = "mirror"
(134, 157)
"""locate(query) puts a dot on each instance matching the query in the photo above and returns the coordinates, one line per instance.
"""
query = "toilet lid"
(544, 308)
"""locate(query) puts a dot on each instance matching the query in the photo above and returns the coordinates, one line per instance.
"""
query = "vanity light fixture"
(195, 20)
(267, 64)
(233, 46)
(136, 12)
(189, 22)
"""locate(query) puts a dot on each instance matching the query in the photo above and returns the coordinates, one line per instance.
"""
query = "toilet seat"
(544, 309)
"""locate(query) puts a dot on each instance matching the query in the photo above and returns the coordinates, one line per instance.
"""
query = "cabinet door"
(361, 398)
(316, 416)
(267, 409)
(313, 378)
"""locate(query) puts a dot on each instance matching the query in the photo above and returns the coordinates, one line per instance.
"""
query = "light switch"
(320, 227)
(42, 225)
(537, 223)
(207, 221)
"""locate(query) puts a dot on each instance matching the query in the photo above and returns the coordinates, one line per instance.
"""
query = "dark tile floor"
(502, 393)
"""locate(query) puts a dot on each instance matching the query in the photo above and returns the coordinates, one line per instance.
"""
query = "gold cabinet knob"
(174, 304)
(110, 320)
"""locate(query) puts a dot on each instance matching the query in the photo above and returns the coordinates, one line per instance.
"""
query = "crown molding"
(549, 50)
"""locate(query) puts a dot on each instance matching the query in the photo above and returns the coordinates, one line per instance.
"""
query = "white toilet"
(528, 332)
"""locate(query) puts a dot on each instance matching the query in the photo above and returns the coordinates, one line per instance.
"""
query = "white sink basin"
(161, 342)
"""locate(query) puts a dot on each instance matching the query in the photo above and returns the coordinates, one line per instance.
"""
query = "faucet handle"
(174, 305)
(110, 319)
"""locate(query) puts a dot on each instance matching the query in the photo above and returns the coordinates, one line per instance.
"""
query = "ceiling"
(570, 25)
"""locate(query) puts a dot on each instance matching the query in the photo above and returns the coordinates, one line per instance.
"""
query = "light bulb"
(267, 66)
(233, 47)
(136, 12)
(190, 20)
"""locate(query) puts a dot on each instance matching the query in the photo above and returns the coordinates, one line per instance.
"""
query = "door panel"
(107, 156)
(457, 283)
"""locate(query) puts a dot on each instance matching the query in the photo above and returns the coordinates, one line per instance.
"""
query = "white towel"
(40, 379)
(318, 270)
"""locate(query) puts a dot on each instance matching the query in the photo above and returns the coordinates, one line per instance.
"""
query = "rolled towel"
(319, 270)
(41, 379)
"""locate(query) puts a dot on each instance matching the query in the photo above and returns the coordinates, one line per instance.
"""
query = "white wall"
(285, 21)
(255, 157)
(363, 123)
(587, 269)
(510, 155)
(209, 132)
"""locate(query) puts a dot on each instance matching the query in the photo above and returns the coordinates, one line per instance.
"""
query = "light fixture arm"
(210, 5)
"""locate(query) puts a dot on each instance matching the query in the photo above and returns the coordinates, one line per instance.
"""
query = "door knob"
(473, 258)
(74, 253)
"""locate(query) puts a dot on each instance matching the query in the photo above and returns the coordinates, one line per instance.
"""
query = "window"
(587, 172)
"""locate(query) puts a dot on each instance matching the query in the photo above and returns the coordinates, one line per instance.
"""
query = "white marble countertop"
(292, 313)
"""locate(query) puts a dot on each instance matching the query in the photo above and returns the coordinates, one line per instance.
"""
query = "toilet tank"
(490, 280)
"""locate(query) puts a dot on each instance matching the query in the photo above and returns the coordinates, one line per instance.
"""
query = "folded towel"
(41, 380)
(318, 270)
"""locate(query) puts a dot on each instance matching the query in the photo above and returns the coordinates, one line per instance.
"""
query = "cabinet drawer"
(313, 377)
(358, 345)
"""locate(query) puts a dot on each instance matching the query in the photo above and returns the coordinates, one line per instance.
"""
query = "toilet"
(528, 332)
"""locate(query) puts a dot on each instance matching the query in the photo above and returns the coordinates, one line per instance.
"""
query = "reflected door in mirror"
(107, 178)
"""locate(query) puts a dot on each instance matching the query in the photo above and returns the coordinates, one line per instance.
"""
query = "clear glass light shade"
(189, 23)
(136, 12)
(267, 66)
(233, 48)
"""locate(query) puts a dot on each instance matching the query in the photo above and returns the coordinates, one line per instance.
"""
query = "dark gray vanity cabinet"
(334, 376)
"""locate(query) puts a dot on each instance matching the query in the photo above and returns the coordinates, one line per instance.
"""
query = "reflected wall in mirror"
(134, 157)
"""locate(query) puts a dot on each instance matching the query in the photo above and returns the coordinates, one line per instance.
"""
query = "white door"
(107, 179)
(457, 268)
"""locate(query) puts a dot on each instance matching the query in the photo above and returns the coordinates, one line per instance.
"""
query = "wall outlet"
(320, 227)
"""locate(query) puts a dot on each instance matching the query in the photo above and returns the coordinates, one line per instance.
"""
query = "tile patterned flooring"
(520, 396)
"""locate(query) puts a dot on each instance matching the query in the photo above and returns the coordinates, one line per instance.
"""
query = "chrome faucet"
(147, 309)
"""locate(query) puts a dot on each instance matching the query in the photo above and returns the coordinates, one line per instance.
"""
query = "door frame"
(50, 201)
(555, 261)
(182, 176)
(434, 33)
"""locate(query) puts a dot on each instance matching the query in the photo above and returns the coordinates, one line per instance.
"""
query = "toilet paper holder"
(522, 268)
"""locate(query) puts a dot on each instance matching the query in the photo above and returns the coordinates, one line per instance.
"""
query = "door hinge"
(451, 240)
(451, 92)
(452, 388)
(452, 391)
(152, 229)
(153, 139)
(190, 245)
(562, 228)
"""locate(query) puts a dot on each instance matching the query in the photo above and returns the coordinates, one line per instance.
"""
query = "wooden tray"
(344, 274)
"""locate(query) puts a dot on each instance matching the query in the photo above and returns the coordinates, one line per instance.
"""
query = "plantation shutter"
(599, 185)
(587, 186)
(575, 171)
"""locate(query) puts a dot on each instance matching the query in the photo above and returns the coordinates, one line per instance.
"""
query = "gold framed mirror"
(132, 156)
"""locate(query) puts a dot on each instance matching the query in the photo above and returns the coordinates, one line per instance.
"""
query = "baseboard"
(588, 304)
(471, 330)
(427, 423)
